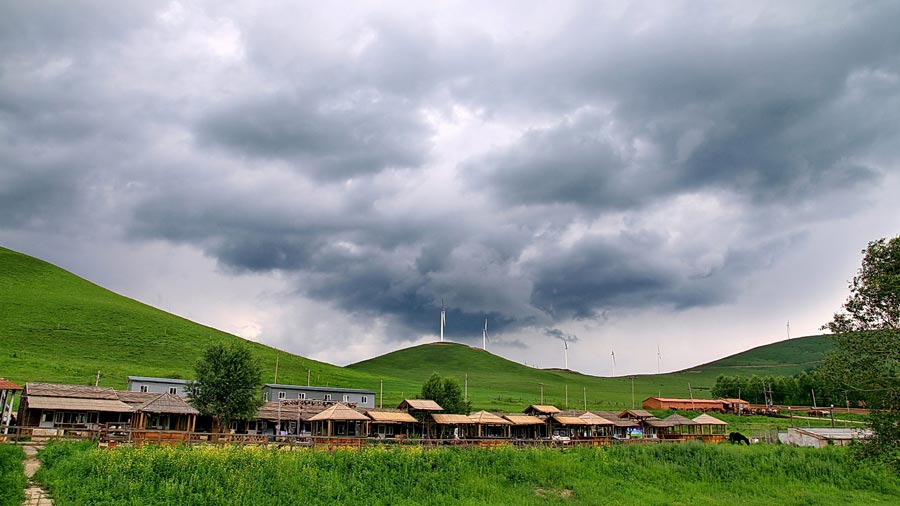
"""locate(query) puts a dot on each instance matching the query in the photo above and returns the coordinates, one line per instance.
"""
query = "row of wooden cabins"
(421, 419)
(46, 407)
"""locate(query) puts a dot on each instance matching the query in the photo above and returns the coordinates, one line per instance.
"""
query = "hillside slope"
(499, 383)
(58, 327)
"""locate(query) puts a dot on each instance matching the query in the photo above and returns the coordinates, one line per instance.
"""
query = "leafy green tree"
(866, 358)
(227, 386)
(446, 392)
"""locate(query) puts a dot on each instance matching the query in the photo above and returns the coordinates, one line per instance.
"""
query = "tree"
(446, 392)
(227, 386)
(866, 358)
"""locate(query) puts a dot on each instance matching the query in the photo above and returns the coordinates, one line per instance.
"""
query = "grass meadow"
(80, 474)
(12, 476)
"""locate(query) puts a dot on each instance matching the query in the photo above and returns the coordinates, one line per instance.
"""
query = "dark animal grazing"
(737, 437)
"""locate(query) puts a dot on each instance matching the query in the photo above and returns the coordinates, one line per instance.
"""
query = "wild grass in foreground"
(626, 475)
(12, 476)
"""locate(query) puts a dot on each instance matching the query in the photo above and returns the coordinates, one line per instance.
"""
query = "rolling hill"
(56, 326)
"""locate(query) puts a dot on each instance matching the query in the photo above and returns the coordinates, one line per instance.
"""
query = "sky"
(670, 182)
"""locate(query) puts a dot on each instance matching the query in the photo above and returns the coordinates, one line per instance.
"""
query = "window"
(144, 388)
(301, 395)
(173, 390)
(281, 395)
(266, 396)
(346, 398)
(327, 397)
(364, 400)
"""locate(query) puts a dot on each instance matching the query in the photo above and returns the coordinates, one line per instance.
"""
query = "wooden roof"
(447, 419)
(77, 404)
(614, 417)
(71, 391)
(569, 420)
(677, 419)
(340, 412)
(382, 416)
(136, 398)
(734, 401)
(705, 419)
(168, 403)
(5, 384)
(290, 410)
(656, 422)
(636, 413)
(595, 419)
(485, 418)
(420, 405)
(522, 419)
(543, 409)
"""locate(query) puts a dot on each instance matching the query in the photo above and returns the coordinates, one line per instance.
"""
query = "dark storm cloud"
(658, 155)
(358, 133)
(559, 334)
(762, 111)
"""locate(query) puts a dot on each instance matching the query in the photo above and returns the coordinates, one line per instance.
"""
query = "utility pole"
(632, 392)
(542, 394)
(97, 382)
(381, 397)
(584, 391)
(567, 396)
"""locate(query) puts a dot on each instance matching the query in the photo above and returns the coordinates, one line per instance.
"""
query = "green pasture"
(623, 475)
(57, 327)
(12, 475)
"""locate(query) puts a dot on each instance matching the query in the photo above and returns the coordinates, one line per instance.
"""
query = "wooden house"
(288, 418)
(393, 423)
(684, 404)
(597, 426)
(682, 427)
(8, 391)
(340, 420)
(420, 409)
(489, 425)
(566, 426)
(711, 429)
(54, 405)
(622, 428)
(166, 412)
(451, 426)
(526, 426)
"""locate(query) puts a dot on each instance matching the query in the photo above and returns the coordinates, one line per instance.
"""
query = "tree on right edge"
(866, 357)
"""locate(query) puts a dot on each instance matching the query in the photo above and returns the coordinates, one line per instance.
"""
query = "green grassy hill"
(55, 326)
(497, 383)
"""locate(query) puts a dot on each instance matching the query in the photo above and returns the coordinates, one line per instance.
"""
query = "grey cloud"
(559, 334)
(357, 132)
(284, 162)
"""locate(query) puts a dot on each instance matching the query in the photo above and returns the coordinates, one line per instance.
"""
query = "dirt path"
(34, 494)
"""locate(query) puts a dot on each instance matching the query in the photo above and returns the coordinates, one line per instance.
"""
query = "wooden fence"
(112, 437)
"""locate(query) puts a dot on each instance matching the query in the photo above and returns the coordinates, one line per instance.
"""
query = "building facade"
(273, 392)
(147, 384)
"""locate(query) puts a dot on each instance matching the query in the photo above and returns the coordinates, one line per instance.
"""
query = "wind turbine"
(566, 351)
(484, 336)
(443, 319)
(658, 358)
(789, 329)
(613, 354)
